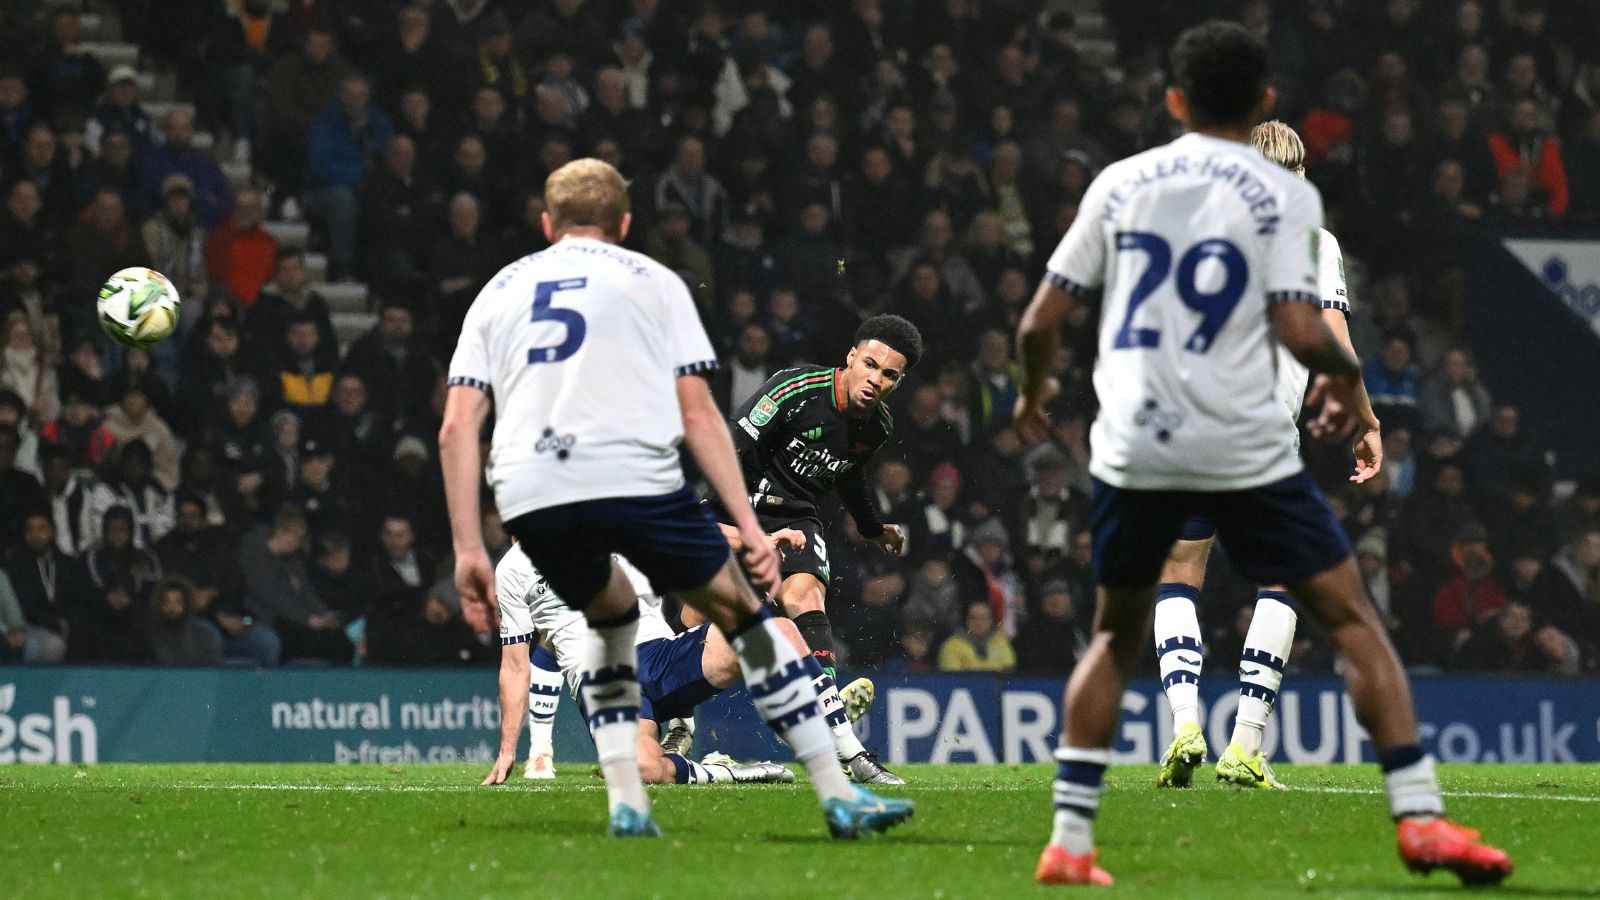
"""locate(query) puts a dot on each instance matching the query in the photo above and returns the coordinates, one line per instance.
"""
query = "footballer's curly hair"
(897, 332)
(1222, 69)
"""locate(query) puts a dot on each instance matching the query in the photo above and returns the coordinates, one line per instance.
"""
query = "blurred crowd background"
(330, 182)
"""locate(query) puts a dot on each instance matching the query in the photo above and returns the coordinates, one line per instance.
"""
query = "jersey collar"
(834, 386)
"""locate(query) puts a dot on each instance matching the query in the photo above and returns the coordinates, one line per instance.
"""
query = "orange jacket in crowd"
(1543, 161)
(242, 260)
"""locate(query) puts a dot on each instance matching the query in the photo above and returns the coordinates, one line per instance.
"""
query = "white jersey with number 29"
(581, 346)
(1191, 242)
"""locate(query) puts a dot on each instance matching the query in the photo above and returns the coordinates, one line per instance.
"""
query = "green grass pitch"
(328, 831)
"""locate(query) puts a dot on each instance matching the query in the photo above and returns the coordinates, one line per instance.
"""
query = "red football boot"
(1428, 844)
(1057, 866)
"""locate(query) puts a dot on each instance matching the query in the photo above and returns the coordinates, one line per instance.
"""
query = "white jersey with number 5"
(1293, 376)
(1191, 241)
(581, 346)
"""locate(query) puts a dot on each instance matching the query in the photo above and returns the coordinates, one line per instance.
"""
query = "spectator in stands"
(130, 486)
(67, 77)
(359, 435)
(1581, 510)
(299, 88)
(1507, 641)
(1452, 398)
(1055, 635)
(14, 415)
(1526, 148)
(1474, 596)
(398, 207)
(80, 431)
(279, 591)
(19, 491)
(345, 136)
(435, 635)
(119, 111)
(133, 420)
(27, 371)
(932, 596)
(110, 627)
(103, 242)
(243, 46)
(27, 231)
(305, 374)
(241, 254)
(415, 485)
(215, 368)
(50, 586)
(400, 563)
(201, 553)
(287, 296)
(1391, 379)
(1584, 170)
(687, 183)
(176, 241)
(748, 368)
(83, 373)
(116, 168)
(404, 54)
(346, 588)
(1572, 594)
(177, 155)
(16, 112)
(13, 626)
(1503, 452)
(980, 647)
(330, 502)
(461, 263)
(391, 355)
(177, 636)
(672, 244)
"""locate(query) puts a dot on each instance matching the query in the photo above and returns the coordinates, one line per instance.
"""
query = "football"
(138, 307)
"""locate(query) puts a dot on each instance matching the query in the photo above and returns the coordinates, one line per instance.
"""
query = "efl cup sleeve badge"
(763, 411)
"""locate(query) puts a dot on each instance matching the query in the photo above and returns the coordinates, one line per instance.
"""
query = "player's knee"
(802, 594)
(1186, 562)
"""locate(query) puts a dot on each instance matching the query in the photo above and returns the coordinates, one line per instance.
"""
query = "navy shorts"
(1279, 533)
(672, 681)
(1197, 528)
(671, 539)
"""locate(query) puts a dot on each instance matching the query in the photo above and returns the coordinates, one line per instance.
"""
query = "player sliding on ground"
(1204, 252)
(810, 430)
(593, 359)
(1179, 648)
(677, 672)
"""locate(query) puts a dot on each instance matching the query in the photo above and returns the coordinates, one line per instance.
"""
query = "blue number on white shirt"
(1160, 253)
(1214, 307)
(576, 327)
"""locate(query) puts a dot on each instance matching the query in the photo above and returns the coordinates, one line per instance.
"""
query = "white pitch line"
(467, 789)
(1478, 795)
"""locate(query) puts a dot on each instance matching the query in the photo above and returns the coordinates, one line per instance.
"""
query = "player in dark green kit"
(810, 430)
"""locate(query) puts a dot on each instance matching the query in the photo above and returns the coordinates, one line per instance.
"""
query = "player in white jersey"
(1178, 640)
(677, 672)
(593, 359)
(1203, 252)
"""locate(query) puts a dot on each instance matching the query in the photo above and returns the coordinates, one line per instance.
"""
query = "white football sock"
(1414, 789)
(1079, 774)
(779, 678)
(1266, 653)
(845, 743)
(610, 689)
(1179, 650)
(688, 771)
(544, 696)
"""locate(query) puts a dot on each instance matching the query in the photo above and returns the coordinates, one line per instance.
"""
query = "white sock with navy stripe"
(1079, 773)
(544, 695)
(780, 676)
(845, 743)
(687, 771)
(609, 686)
(1409, 780)
(1266, 653)
(1179, 651)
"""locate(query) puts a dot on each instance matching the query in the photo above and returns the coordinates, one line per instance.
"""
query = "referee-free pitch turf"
(431, 831)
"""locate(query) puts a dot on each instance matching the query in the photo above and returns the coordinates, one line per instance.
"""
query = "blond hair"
(1279, 143)
(587, 192)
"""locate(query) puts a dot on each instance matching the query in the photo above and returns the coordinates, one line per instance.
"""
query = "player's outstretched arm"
(1038, 339)
(1368, 443)
(513, 709)
(1301, 330)
(711, 445)
(465, 409)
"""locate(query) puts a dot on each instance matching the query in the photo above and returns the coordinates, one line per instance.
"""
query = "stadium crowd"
(251, 491)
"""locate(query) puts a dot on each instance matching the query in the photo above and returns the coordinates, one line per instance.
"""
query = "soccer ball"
(138, 307)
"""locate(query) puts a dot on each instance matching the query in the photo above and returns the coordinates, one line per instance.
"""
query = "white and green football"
(138, 307)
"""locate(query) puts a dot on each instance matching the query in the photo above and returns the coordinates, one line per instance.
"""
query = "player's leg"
(1133, 531)
(1261, 666)
(673, 540)
(1286, 531)
(1180, 649)
(544, 696)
